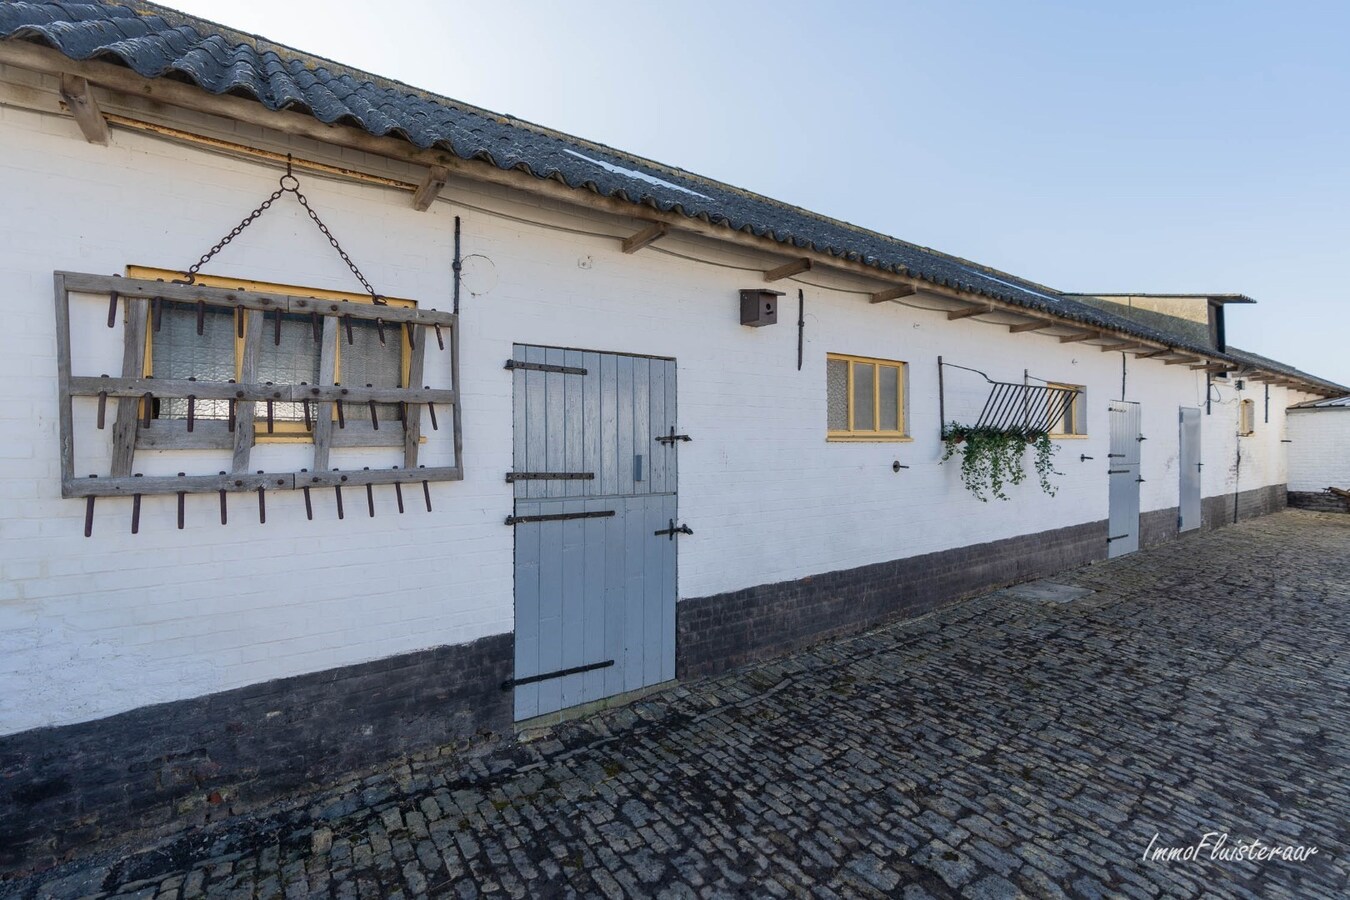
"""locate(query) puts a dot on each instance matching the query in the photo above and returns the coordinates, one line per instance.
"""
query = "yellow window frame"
(282, 432)
(902, 389)
(1078, 419)
(1246, 418)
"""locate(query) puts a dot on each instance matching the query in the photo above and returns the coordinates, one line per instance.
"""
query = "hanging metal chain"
(289, 184)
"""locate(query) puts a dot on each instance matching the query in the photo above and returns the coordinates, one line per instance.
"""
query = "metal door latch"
(673, 437)
(672, 530)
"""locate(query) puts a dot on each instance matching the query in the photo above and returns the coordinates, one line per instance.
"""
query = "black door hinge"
(673, 437)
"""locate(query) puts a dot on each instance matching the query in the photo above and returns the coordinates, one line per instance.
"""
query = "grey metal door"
(594, 482)
(1123, 515)
(1188, 517)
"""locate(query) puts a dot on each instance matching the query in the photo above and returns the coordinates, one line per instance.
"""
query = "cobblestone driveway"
(1008, 745)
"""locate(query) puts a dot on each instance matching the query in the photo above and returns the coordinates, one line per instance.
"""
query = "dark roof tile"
(156, 41)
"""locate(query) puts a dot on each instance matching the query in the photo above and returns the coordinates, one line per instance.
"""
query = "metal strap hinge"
(1119, 537)
(1117, 471)
(544, 367)
(673, 437)
(546, 676)
(559, 517)
(549, 476)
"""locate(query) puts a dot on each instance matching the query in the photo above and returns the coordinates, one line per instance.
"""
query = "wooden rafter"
(653, 232)
(1078, 336)
(892, 293)
(1122, 345)
(430, 188)
(1149, 354)
(1211, 367)
(788, 269)
(1181, 361)
(968, 311)
(1029, 326)
(79, 98)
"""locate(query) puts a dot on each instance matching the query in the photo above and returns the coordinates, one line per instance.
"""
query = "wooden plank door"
(595, 586)
(1123, 514)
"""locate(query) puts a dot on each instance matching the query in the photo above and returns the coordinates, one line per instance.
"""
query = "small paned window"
(865, 398)
(1247, 417)
(176, 351)
(1065, 410)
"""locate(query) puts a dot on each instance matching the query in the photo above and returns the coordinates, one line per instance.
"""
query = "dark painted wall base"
(1217, 511)
(723, 631)
(157, 769)
(714, 634)
(1319, 501)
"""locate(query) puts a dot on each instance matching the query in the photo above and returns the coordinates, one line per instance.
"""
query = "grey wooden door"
(1188, 517)
(1123, 515)
(595, 585)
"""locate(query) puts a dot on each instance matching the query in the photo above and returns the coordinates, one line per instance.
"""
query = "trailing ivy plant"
(992, 458)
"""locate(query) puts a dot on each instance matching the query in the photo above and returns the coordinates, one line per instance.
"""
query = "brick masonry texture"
(717, 633)
(1006, 746)
(1319, 501)
(181, 764)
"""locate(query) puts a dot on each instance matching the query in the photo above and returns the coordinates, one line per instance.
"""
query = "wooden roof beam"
(1181, 361)
(787, 270)
(953, 314)
(1079, 336)
(1123, 345)
(653, 232)
(892, 293)
(1149, 354)
(144, 93)
(430, 188)
(79, 98)
(1211, 367)
(1036, 325)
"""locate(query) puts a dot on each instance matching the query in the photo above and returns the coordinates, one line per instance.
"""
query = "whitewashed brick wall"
(1319, 452)
(91, 627)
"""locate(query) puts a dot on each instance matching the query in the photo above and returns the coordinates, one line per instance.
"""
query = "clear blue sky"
(1152, 146)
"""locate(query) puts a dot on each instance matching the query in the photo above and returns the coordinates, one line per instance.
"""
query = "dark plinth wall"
(161, 768)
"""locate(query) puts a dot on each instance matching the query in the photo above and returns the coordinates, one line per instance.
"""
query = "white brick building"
(236, 661)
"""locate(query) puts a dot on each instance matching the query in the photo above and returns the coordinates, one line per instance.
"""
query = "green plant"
(992, 458)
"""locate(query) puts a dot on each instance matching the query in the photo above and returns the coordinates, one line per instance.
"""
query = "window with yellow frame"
(865, 398)
(175, 350)
(1247, 417)
(1065, 410)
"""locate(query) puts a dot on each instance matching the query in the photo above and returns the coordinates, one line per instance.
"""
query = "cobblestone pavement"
(1022, 743)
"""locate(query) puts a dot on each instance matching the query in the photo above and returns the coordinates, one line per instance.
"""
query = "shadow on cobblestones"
(1016, 744)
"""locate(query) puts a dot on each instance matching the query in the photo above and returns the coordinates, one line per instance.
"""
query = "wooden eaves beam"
(788, 269)
(1028, 326)
(1123, 345)
(1211, 367)
(1181, 361)
(653, 232)
(1079, 336)
(79, 98)
(892, 293)
(430, 188)
(149, 94)
(1149, 354)
(954, 314)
